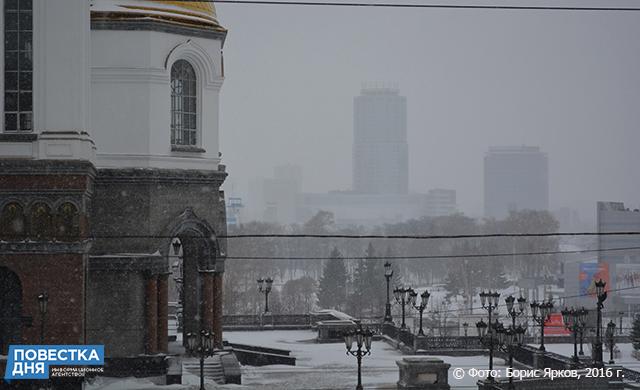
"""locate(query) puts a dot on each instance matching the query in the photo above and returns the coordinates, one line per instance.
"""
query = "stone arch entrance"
(10, 309)
(196, 266)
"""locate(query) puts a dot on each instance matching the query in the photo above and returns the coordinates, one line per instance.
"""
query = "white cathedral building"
(109, 154)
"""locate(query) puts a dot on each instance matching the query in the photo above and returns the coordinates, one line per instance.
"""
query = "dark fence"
(631, 375)
(258, 320)
(431, 343)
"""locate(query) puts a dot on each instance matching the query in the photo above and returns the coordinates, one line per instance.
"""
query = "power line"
(432, 237)
(355, 236)
(457, 256)
(421, 5)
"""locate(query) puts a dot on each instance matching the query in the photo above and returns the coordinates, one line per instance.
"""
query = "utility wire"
(420, 5)
(355, 236)
(457, 256)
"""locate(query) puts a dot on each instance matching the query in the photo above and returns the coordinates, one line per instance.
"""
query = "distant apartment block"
(515, 178)
(275, 199)
(624, 265)
(441, 202)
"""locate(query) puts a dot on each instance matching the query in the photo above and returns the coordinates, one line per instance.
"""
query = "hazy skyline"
(564, 81)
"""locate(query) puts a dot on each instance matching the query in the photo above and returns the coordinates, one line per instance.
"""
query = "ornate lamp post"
(540, 313)
(610, 335)
(403, 297)
(487, 340)
(574, 321)
(424, 299)
(601, 295)
(508, 340)
(363, 338)
(515, 311)
(582, 324)
(43, 301)
(621, 314)
(388, 274)
(489, 301)
(201, 345)
(264, 286)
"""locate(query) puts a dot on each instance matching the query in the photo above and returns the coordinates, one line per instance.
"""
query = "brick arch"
(67, 220)
(202, 265)
(40, 216)
(13, 221)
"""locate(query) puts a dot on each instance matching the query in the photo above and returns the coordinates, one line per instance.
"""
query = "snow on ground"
(327, 366)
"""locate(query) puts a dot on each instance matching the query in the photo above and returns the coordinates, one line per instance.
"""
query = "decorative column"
(163, 313)
(207, 300)
(217, 308)
(151, 315)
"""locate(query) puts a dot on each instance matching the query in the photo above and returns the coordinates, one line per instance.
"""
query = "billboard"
(589, 274)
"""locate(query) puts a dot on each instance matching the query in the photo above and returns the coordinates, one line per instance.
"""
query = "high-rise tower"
(380, 150)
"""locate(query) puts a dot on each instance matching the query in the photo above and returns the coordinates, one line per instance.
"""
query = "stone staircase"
(212, 368)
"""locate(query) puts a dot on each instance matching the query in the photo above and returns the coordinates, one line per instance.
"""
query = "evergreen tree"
(375, 287)
(359, 289)
(635, 333)
(332, 289)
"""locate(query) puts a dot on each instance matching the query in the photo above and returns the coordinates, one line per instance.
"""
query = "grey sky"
(566, 81)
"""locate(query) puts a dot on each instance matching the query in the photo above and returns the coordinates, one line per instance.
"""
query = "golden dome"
(192, 13)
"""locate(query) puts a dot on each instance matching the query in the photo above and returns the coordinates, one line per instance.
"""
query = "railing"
(431, 342)
(448, 343)
(524, 355)
(240, 320)
(630, 374)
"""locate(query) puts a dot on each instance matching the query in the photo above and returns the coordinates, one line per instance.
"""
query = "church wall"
(64, 321)
(146, 202)
(131, 98)
(115, 315)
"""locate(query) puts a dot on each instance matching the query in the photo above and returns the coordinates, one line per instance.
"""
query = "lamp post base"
(387, 313)
(597, 354)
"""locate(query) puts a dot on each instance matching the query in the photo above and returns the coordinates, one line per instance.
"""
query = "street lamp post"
(489, 301)
(404, 297)
(575, 321)
(621, 314)
(582, 317)
(363, 338)
(43, 301)
(515, 311)
(601, 295)
(264, 286)
(388, 274)
(540, 311)
(424, 299)
(201, 345)
(610, 335)
(508, 340)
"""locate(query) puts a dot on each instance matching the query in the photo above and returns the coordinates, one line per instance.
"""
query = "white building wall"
(132, 98)
(61, 83)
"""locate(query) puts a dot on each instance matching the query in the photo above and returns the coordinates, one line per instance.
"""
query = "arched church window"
(18, 65)
(12, 221)
(67, 222)
(41, 222)
(183, 104)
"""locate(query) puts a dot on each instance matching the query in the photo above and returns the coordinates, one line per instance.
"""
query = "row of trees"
(347, 274)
